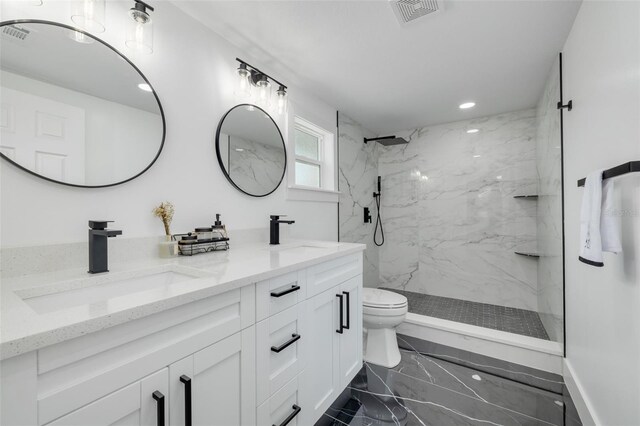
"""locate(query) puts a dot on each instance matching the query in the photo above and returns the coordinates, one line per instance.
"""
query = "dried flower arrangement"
(165, 212)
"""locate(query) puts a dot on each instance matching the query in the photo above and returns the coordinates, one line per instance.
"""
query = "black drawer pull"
(159, 397)
(291, 416)
(340, 296)
(348, 310)
(285, 292)
(278, 349)
(187, 399)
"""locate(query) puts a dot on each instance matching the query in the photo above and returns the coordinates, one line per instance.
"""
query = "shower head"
(387, 140)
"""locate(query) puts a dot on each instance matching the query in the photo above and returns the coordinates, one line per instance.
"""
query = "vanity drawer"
(277, 294)
(282, 406)
(280, 350)
(329, 274)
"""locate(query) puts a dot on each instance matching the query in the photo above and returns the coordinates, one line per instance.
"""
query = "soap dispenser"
(218, 227)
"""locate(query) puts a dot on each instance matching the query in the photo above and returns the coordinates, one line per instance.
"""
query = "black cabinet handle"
(285, 292)
(346, 293)
(159, 397)
(278, 349)
(340, 296)
(291, 416)
(187, 399)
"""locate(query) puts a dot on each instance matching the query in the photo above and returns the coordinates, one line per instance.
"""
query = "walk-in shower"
(472, 219)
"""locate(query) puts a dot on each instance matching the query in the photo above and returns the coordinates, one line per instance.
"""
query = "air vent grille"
(15, 32)
(410, 10)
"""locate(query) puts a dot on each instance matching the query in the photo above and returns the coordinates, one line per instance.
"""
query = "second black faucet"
(274, 228)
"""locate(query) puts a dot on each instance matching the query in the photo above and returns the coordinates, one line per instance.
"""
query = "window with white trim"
(314, 156)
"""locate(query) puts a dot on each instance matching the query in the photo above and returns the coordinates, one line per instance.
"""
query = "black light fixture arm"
(261, 73)
(141, 6)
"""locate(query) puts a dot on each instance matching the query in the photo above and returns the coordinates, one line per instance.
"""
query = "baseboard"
(579, 397)
(535, 353)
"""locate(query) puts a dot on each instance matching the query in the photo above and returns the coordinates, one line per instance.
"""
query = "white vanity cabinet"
(328, 352)
(272, 353)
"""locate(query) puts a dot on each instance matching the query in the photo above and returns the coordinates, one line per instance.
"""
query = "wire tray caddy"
(189, 247)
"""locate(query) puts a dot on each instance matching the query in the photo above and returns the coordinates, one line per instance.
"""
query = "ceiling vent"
(15, 32)
(409, 10)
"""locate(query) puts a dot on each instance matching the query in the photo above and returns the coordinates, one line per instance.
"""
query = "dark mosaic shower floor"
(512, 320)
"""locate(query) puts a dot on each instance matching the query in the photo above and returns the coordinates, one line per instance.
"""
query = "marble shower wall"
(357, 181)
(549, 214)
(451, 221)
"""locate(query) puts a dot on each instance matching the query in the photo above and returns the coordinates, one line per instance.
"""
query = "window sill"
(307, 193)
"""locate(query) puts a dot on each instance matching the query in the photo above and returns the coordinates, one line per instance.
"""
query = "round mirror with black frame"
(75, 111)
(251, 150)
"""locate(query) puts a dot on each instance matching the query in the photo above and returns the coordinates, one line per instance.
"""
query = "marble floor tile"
(427, 391)
(527, 376)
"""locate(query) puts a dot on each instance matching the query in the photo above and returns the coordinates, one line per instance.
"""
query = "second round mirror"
(251, 150)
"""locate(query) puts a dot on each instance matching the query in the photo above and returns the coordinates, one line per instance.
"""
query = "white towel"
(599, 226)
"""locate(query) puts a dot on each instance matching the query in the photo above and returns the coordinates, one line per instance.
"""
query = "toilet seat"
(376, 300)
(384, 312)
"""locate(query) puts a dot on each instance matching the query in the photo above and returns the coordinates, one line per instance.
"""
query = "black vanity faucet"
(274, 228)
(98, 234)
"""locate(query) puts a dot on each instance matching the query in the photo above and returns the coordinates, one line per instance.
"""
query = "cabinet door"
(320, 381)
(223, 383)
(133, 405)
(351, 339)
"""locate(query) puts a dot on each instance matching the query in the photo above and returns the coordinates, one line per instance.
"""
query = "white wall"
(192, 70)
(602, 77)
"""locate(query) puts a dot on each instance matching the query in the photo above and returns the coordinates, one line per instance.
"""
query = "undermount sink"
(305, 247)
(96, 289)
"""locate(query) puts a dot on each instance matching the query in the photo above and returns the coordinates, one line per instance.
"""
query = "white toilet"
(382, 312)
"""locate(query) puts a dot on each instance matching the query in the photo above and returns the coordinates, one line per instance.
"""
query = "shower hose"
(378, 223)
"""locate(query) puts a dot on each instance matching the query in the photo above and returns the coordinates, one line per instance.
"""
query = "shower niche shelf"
(527, 254)
(527, 197)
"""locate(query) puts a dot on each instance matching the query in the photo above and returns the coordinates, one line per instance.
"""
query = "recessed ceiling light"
(473, 131)
(467, 105)
(145, 87)
(239, 149)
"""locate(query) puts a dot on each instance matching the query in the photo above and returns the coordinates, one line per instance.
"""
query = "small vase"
(168, 248)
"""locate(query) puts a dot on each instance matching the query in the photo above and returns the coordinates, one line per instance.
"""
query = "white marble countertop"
(27, 326)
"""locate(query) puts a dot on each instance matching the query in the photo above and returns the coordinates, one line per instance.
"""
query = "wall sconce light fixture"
(89, 15)
(140, 28)
(250, 76)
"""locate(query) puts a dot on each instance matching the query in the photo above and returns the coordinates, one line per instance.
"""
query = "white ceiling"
(357, 57)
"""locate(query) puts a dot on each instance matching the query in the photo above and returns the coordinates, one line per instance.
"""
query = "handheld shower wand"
(377, 196)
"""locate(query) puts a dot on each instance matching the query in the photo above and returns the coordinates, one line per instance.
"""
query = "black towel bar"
(622, 169)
